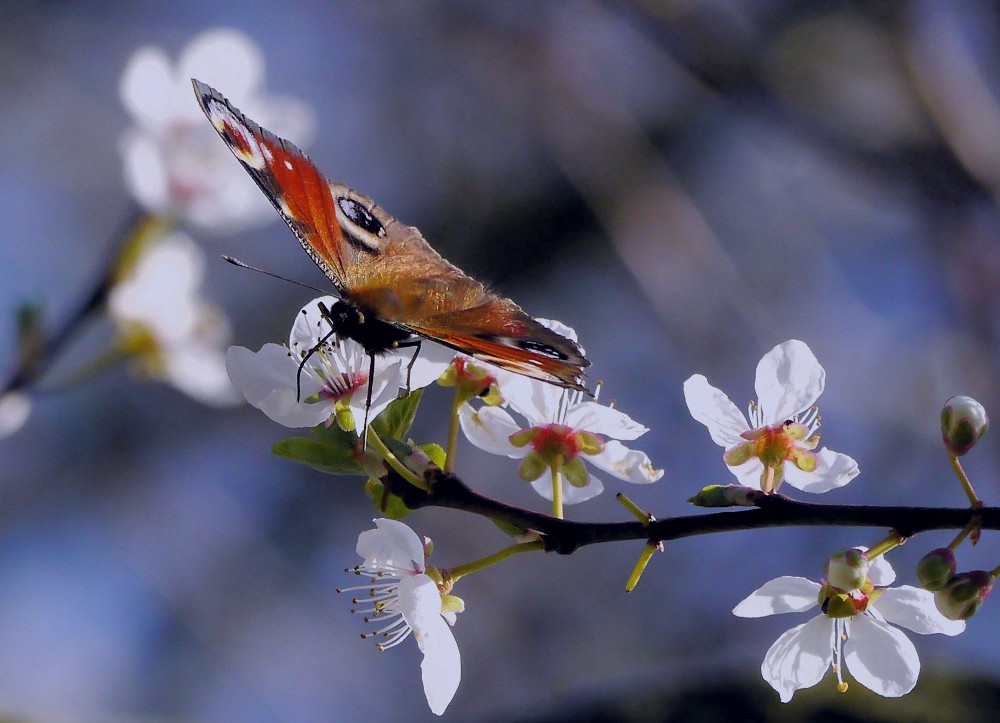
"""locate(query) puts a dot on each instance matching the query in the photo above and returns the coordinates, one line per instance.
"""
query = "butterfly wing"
(291, 182)
(386, 267)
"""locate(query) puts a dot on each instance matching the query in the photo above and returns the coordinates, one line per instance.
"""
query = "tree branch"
(567, 536)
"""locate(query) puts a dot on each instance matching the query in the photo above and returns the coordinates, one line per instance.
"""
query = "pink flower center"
(556, 439)
(343, 385)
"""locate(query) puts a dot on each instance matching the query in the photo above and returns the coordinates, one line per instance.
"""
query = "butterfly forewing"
(385, 269)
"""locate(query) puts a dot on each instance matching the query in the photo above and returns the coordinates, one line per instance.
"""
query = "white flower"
(407, 599)
(561, 424)
(852, 628)
(171, 332)
(174, 161)
(332, 382)
(782, 424)
(335, 375)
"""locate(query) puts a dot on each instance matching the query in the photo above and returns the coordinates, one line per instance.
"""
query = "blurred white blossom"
(167, 328)
(15, 408)
(174, 162)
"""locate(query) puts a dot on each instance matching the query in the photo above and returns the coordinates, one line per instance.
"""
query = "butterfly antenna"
(244, 265)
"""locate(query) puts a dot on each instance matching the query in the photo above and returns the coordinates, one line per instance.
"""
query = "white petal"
(914, 609)
(880, 657)
(267, 380)
(384, 391)
(799, 658)
(226, 59)
(310, 324)
(15, 407)
(880, 571)
(833, 470)
(781, 595)
(200, 372)
(600, 419)
(572, 495)
(392, 546)
(431, 362)
(789, 380)
(489, 428)
(146, 87)
(441, 669)
(712, 408)
(748, 473)
(538, 402)
(624, 463)
(144, 170)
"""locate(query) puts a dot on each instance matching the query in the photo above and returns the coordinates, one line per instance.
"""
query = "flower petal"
(799, 658)
(489, 428)
(914, 609)
(833, 470)
(146, 87)
(441, 669)
(713, 408)
(749, 473)
(781, 595)
(572, 495)
(789, 380)
(624, 463)
(431, 361)
(880, 571)
(200, 372)
(223, 58)
(15, 407)
(600, 419)
(392, 546)
(880, 657)
(267, 380)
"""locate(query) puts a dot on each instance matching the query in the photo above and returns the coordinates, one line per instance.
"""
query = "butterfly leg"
(319, 345)
(409, 367)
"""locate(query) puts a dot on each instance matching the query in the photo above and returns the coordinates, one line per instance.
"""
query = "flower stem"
(449, 463)
(557, 496)
(970, 528)
(956, 464)
(393, 461)
(452, 574)
(893, 540)
(138, 230)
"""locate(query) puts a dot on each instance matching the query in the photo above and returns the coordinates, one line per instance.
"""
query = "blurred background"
(685, 183)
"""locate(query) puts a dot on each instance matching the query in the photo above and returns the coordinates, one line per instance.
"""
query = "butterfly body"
(394, 288)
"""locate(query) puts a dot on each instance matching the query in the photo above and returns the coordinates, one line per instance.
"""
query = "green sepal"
(321, 456)
(436, 452)
(395, 420)
(387, 504)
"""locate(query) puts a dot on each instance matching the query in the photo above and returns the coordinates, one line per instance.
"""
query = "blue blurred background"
(685, 183)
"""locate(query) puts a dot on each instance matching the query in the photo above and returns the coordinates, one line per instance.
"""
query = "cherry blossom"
(563, 427)
(854, 628)
(166, 327)
(174, 163)
(405, 594)
(777, 443)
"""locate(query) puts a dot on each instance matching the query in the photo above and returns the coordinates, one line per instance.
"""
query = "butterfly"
(394, 288)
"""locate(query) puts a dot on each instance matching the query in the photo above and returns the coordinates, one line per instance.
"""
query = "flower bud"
(964, 594)
(963, 422)
(847, 569)
(936, 568)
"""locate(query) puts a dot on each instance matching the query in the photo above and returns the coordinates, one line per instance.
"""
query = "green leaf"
(324, 457)
(335, 436)
(395, 421)
(387, 504)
